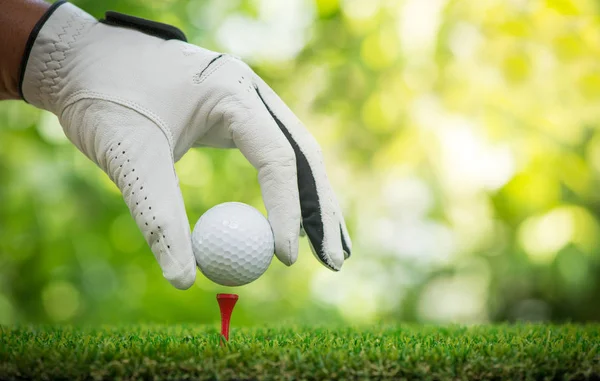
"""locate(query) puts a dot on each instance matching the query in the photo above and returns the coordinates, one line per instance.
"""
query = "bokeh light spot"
(327, 7)
(461, 298)
(380, 49)
(589, 84)
(361, 9)
(50, 129)
(61, 300)
(195, 169)
(543, 236)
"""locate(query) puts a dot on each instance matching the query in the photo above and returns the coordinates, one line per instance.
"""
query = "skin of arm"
(17, 20)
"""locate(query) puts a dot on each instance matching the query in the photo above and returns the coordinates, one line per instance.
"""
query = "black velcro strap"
(153, 28)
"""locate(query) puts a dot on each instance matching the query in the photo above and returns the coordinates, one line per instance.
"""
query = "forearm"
(17, 20)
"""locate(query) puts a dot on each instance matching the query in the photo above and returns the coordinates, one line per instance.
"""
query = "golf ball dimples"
(233, 244)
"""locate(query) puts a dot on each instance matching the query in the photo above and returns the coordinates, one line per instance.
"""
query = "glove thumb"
(136, 155)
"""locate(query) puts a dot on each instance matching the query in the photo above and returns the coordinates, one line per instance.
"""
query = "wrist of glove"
(134, 97)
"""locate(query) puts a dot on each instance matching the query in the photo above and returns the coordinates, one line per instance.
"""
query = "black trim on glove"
(153, 28)
(31, 40)
(310, 204)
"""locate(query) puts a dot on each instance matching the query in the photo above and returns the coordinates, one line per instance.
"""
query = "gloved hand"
(134, 97)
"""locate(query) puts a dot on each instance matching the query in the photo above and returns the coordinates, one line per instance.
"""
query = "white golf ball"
(233, 244)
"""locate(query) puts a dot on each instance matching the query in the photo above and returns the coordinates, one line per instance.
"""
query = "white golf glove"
(134, 97)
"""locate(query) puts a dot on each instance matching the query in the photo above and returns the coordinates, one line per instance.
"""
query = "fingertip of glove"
(286, 261)
(183, 279)
(337, 261)
(346, 243)
(347, 254)
(330, 259)
(287, 253)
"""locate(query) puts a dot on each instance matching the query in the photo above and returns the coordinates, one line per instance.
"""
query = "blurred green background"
(462, 138)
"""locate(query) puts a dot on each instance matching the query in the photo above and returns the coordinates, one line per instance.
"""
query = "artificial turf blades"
(507, 352)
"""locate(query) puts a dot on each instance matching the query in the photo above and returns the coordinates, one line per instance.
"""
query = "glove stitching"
(121, 159)
(126, 177)
(87, 94)
(199, 75)
(120, 168)
(206, 73)
(52, 89)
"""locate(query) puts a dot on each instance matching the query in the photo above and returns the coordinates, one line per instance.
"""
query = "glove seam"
(208, 71)
(46, 72)
(31, 42)
(87, 94)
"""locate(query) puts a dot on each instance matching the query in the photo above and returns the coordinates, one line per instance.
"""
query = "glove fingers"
(136, 155)
(261, 141)
(320, 213)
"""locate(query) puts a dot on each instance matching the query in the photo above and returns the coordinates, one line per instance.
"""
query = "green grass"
(506, 352)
